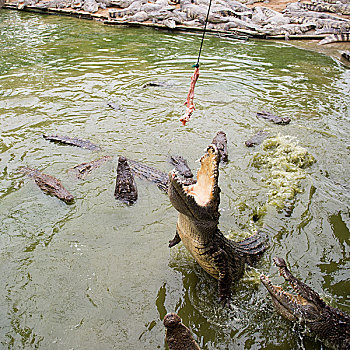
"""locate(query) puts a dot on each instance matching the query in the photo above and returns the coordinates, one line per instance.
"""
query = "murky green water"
(99, 275)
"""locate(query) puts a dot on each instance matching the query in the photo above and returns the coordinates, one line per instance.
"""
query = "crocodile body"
(257, 139)
(220, 141)
(273, 118)
(132, 9)
(197, 226)
(48, 184)
(181, 166)
(178, 336)
(84, 169)
(344, 9)
(149, 173)
(200, 13)
(289, 29)
(346, 55)
(331, 30)
(73, 141)
(308, 15)
(161, 179)
(125, 188)
(329, 324)
(333, 38)
(332, 1)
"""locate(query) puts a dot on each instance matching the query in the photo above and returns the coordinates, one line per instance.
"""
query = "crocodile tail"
(335, 38)
(253, 246)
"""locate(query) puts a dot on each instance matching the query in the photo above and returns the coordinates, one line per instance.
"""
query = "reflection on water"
(98, 274)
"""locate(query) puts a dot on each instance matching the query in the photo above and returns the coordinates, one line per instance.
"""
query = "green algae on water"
(285, 162)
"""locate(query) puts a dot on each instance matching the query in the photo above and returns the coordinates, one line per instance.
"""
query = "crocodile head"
(220, 140)
(307, 308)
(306, 304)
(199, 201)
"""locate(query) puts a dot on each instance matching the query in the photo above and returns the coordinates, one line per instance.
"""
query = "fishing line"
(205, 28)
(189, 101)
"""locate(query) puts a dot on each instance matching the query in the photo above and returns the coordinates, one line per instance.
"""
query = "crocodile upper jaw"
(201, 200)
(304, 305)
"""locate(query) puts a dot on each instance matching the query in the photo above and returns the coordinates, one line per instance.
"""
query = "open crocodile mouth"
(205, 192)
(286, 303)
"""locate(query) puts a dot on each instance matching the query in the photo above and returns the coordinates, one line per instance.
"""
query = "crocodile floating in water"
(273, 118)
(48, 184)
(161, 178)
(73, 141)
(257, 139)
(149, 173)
(220, 141)
(163, 84)
(182, 167)
(329, 324)
(84, 169)
(125, 188)
(197, 226)
(178, 336)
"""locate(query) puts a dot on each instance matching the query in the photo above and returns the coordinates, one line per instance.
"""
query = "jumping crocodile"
(48, 184)
(125, 188)
(197, 226)
(178, 336)
(73, 141)
(329, 324)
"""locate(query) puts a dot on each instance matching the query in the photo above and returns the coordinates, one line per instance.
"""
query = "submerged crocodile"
(178, 336)
(197, 226)
(257, 139)
(125, 188)
(329, 324)
(73, 141)
(273, 118)
(48, 184)
(84, 169)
